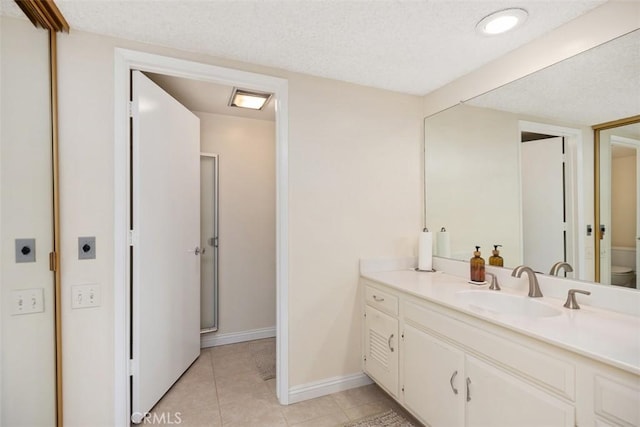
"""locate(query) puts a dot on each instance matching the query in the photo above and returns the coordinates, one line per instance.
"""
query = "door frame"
(596, 178)
(574, 199)
(124, 61)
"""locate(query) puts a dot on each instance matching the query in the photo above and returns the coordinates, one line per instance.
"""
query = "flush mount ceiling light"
(247, 99)
(501, 21)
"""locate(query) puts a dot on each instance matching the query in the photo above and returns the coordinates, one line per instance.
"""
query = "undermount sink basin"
(505, 304)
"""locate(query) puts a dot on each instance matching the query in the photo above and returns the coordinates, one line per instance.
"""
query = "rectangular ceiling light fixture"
(249, 99)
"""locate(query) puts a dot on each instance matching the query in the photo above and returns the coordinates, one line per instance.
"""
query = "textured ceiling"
(407, 46)
(597, 86)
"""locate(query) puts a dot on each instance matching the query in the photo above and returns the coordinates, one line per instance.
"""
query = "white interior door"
(166, 225)
(543, 203)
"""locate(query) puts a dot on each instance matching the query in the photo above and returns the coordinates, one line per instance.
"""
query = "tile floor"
(223, 388)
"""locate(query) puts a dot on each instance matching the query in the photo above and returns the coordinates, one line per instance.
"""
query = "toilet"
(622, 276)
(623, 266)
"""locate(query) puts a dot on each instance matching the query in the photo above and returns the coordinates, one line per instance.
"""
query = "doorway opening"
(126, 62)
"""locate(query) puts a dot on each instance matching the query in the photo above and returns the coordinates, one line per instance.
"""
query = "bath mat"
(389, 418)
(266, 362)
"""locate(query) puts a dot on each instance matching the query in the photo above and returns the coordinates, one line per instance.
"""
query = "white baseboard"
(213, 339)
(327, 386)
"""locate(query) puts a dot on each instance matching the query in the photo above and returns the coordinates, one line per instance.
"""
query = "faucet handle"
(571, 298)
(494, 282)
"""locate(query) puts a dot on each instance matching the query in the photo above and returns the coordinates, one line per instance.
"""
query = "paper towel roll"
(443, 244)
(425, 251)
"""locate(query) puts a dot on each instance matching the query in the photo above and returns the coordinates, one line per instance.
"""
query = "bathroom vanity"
(455, 354)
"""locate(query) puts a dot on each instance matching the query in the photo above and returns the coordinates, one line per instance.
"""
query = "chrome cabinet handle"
(197, 251)
(453, 377)
(377, 298)
(468, 389)
(389, 343)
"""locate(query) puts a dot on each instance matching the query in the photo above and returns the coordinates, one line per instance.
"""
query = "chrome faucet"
(558, 265)
(534, 288)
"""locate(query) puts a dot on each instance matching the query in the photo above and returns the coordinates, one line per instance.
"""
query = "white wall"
(28, 341)
(354, 191)
(247, 227)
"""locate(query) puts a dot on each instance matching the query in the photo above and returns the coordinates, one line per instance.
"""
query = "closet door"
(166, 235)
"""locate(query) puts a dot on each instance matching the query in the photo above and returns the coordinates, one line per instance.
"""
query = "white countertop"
(603, 335)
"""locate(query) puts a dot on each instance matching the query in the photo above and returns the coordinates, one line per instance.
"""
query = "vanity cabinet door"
(434, 386)
(381, 349)
(496, 398)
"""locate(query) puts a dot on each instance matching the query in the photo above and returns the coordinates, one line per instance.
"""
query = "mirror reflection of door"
(543, 201)
(619, 198)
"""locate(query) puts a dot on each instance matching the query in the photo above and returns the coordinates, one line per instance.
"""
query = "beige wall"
(247, 228)
(354, 191)
(623, 201)
(28, 344)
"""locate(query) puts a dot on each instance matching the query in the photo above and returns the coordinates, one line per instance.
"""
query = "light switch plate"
(85, 296)
(86, 248)
(25, 250)
(27, 301)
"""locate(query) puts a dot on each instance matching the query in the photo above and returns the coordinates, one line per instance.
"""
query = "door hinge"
(53, 261)
(131, 236)
(130, 367)
(130, 108)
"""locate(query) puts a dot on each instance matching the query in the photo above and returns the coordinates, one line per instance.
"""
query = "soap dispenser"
(495, 258)
(477, 266)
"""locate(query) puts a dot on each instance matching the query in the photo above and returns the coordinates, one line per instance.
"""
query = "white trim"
(327, 386)
(124, 61)
(215, 339)
(575, 162)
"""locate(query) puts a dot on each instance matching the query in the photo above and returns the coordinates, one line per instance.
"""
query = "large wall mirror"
(515, 166)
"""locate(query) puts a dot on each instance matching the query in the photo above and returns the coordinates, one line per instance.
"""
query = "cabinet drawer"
(381, 300)
(539, 367)
(617, 402)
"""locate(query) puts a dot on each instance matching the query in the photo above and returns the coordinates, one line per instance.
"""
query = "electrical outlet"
(27, 301)
(85, 296)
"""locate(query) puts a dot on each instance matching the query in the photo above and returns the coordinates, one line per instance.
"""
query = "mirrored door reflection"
(28, 373)
(619, 151)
